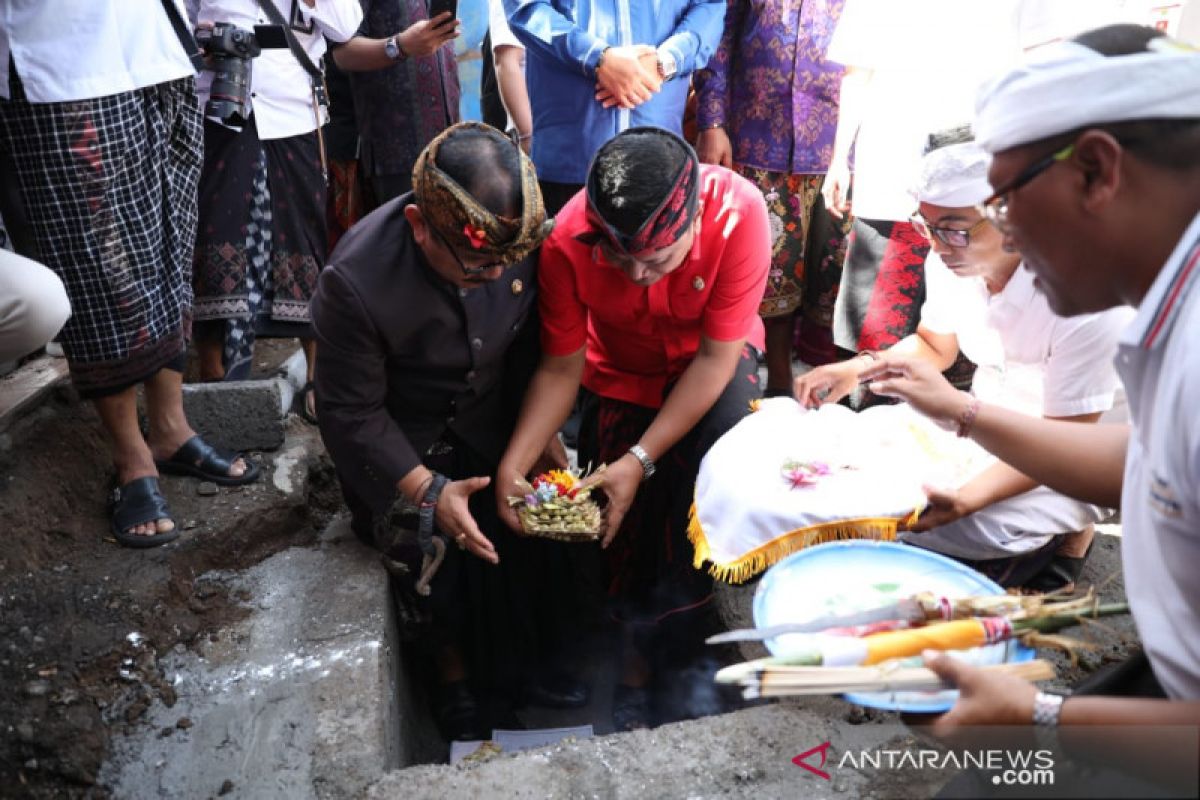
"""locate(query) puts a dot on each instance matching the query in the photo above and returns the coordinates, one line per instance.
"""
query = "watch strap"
(1046, 709)
(648, 465)
(426, 512)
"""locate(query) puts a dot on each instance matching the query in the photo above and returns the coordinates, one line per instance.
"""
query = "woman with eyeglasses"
(983, 303)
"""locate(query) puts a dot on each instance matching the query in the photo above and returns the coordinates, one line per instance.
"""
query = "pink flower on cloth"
(801, 474)
(476, 236)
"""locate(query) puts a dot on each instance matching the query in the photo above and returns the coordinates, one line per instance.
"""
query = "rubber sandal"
(198, 459)
(137, 503)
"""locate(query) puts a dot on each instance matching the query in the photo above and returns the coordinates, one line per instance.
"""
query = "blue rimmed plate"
(856, 575)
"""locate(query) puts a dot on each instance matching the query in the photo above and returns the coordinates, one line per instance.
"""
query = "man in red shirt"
(649, 294)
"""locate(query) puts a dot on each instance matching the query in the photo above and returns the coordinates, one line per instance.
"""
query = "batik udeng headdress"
(464, 222)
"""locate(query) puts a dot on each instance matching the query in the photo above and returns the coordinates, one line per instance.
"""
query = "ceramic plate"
(856, 575)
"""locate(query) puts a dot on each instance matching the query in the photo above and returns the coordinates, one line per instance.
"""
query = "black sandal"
(198, 459)
(1061, 574)
(137, 503)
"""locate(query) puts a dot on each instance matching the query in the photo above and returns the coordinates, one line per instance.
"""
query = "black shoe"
(557, 690)
(631, 708)
(457, 713)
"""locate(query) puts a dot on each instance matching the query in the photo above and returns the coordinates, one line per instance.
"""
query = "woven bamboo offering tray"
(553, 506)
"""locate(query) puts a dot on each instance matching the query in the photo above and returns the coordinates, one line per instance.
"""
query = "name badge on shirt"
(1163, 499)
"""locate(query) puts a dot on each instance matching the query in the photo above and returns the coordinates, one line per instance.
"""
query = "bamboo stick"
(786, 681)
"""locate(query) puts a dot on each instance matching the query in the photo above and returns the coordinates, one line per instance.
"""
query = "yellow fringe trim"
(745, 567)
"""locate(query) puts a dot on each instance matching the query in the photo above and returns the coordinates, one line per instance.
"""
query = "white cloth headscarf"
(954, 176)
(1067, 86)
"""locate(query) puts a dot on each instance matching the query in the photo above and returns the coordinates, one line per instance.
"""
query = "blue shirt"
(563, 41)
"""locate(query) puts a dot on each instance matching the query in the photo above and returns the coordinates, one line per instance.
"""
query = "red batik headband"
(667, 224)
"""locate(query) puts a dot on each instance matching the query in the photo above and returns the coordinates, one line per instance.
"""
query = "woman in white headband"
(982, 303)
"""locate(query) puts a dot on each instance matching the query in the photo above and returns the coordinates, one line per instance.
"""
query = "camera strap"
(184, 34)
(272, 11)
(319, 96)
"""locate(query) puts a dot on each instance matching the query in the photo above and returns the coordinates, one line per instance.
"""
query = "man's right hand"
(453, 517)
(827, 384)
(918, 382)
(506, 484)
(623, 80)
(714, 147)
(427, 35)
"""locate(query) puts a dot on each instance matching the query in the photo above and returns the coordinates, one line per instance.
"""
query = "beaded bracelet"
(967, 420)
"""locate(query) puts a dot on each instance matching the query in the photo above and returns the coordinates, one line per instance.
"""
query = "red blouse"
(639, 338)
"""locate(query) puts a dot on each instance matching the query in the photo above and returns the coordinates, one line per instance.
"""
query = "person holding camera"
(261, 240)
(405, 80)
(99, 120)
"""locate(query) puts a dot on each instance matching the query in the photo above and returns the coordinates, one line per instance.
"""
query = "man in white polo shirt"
(1096, 171)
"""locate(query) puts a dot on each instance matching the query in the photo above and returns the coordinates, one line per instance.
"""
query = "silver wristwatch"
(1046, 709)
(648, 467)
(393, 50)
(666, 65)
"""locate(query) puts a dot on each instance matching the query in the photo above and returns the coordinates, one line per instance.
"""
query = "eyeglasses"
(468, 271)
(954, 237)
(995, 208)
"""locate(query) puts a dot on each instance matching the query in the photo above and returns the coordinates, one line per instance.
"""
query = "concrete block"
(297, 700)
(239, 415)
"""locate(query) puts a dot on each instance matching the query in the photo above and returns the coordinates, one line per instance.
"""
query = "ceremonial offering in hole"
(786, 478)
(556, 506)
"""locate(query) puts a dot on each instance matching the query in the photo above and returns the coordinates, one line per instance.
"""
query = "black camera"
(228, 51)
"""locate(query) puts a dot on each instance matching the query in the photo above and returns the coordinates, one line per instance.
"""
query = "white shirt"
(927, 57)
(78, 50)
(1030, 359)
(1159, 362)
(502, 36)
(280, 89)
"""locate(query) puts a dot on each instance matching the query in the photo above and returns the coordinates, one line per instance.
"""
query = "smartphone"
(441, 6)
(270, 37)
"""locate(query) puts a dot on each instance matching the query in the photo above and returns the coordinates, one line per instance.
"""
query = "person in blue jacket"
(597, 67)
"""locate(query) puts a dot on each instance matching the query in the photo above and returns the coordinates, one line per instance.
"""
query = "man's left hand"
(621, 481)
(945, 506)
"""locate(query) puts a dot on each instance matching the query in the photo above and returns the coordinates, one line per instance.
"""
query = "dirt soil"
(84, 621)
